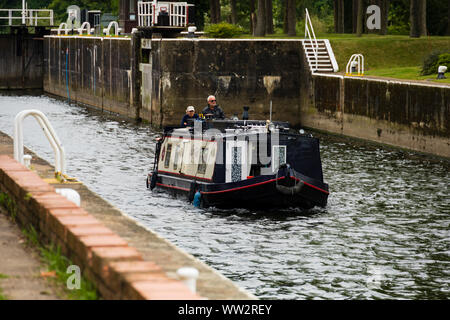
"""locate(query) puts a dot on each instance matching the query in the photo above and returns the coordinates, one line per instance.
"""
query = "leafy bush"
(320, 26)
(398, 30)
(223, 30)
(444, 60)
(435, 59)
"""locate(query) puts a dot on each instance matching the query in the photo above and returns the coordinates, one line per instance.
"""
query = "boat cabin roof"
(229, 126)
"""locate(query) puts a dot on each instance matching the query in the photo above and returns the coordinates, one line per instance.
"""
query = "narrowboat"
(240, 164)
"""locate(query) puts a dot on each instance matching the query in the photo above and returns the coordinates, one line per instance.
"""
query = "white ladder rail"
(359, 59)
(44, 123)
(314, 46)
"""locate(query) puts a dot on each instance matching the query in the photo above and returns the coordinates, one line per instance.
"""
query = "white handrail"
(60, 28)
(314, 46)
(359, 60)
(86, 25)
(26, 17)
(60, 162)
(117, 30)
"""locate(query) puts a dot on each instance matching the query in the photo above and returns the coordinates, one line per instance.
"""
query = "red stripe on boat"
(172, 187)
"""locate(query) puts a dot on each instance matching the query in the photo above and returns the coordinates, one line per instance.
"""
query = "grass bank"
(388, 56)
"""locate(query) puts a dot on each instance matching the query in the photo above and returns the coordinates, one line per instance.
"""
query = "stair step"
(320, 56)
(325, 70)
(319, 50)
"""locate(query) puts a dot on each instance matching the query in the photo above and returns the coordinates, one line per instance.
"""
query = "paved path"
(21, 266)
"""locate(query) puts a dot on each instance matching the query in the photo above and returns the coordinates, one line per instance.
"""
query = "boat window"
(201, 169)
(163, 153)
(169, 151)
(176, 157)
(278, 156)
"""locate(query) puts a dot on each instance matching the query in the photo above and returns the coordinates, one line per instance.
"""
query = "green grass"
(387, 56)
(388, 51)
(409, 73)
(51, 256)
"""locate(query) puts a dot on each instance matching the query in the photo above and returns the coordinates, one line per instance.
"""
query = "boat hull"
(268, 191)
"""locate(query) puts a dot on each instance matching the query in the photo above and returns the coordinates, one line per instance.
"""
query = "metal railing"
(148, 13)
(355, 60)
(114, 24)
(27, 17)
(178, 15)
(308, 30)
(60, 162)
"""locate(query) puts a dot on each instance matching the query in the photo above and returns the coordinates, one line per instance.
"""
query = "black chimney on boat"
(245, 113)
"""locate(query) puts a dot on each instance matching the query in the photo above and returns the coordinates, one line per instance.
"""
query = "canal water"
(385, 232)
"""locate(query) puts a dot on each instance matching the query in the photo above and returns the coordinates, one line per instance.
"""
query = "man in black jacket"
(190, 114)
(212, 110)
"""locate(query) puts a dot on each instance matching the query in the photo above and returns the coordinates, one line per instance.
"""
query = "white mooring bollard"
(27, 160)
(70, 194)
(189, 276)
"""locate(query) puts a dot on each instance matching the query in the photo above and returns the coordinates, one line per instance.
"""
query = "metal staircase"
(319, 53)
(322, 60)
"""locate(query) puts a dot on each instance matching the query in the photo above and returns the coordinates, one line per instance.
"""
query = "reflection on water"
(384, 234)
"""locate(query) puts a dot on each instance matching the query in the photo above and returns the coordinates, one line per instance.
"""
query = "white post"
(189, 277)
(70, 194)
(23, 11)
(27, 160)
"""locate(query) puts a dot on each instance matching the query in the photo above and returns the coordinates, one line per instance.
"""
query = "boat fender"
(197, 199)
(290, 191)
(153, 180)
(192, 191)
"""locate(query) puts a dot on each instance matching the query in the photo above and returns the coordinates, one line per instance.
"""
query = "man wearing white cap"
(190, 114)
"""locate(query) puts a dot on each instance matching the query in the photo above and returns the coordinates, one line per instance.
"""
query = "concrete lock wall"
(409, 115)
(20, 62)
(183, 72)
(92, 70)
(156, 80)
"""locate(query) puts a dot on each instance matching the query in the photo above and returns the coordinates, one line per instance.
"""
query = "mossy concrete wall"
(183, 72)
(156, 79)
(97, 71)
(20, 62)
(409, 115)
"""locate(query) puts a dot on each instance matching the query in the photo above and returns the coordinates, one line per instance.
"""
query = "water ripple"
(383, 235)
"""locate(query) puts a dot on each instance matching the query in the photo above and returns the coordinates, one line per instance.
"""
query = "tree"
(417, 18)
(385, 16)
(260, 29)
(291, 18)
(423, 18)
(252, 17)
(359, 17)
(233, 11)
(269, 17)
(448, 21)
(339, 10)
(214, 6)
